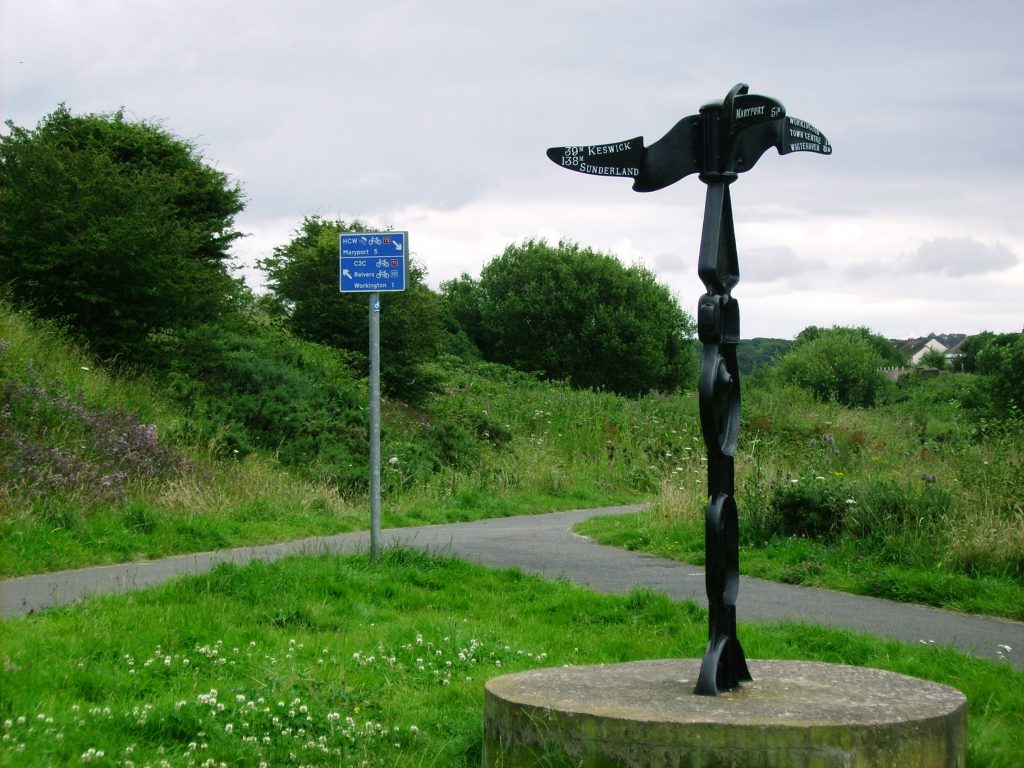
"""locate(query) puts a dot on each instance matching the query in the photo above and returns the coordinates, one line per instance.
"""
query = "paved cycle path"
(546, 545)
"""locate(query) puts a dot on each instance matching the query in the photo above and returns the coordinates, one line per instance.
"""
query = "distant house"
(915, 349)
(955, 352)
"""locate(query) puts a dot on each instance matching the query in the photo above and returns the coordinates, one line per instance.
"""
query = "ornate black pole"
(725, 139)
(718, 327)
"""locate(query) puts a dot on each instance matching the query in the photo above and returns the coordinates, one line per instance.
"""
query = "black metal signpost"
(725, 139)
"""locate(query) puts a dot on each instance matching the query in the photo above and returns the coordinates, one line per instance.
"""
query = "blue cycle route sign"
(372, 262)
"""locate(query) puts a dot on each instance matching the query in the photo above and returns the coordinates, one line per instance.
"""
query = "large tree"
(302, 276)
(116, 227)
(577, 315)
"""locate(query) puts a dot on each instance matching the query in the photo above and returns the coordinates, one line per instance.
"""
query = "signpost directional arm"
(619, 158)
(673, 156)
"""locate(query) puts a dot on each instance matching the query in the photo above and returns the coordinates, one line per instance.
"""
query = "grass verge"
(841, 565)
(337, 661)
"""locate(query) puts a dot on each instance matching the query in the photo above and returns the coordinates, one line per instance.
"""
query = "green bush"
(902, 522)
(250, 385)
(934, 358)
(811, 509)
(579, 316)
(115, 227)
(1001, 362)
(838, 364)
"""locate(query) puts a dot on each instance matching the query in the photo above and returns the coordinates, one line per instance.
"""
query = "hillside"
(760, 352)
(99, 468)
(916, 498)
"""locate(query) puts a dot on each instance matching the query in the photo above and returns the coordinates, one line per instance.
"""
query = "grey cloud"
(958, 257)
(765, 265)
(867, 270)
(353, 108)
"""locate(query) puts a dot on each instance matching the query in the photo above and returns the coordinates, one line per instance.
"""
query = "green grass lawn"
(338, 661)
(842, 566)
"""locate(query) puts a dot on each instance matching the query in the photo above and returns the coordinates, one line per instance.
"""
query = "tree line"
(121, 231)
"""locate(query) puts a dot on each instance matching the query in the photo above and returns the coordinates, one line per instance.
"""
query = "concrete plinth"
(793, 715)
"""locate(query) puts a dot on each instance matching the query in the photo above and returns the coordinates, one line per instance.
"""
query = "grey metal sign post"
(372, 262)
(725, 139)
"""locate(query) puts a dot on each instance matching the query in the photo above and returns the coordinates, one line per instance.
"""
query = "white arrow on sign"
(346, 273)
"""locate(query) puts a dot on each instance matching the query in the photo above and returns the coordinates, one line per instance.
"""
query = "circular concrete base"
(793, 715)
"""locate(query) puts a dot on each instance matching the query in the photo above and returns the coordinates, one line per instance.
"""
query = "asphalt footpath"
(546, 545)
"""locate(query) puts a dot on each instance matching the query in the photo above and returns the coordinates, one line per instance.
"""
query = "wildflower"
(851, 502)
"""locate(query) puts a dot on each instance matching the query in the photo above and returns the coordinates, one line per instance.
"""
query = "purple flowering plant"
(53, 444)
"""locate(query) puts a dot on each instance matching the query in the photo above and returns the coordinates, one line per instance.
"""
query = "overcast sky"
(434, 117)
